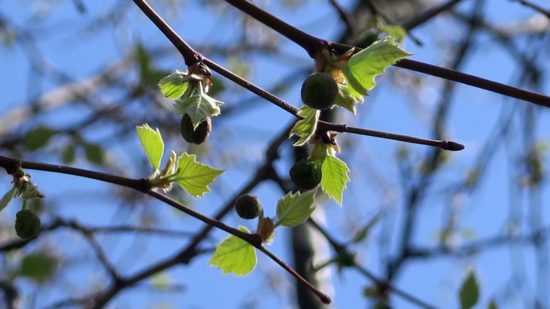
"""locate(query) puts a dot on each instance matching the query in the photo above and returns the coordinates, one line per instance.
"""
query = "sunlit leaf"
(152, 144)
(347, 98)
(305, 128)
(174, 85)
(295, 208)
(469, 291)
(197, 104)
(362, 68)
(396, 32)
(234, 255)
(194, 177)
(335, 177)
(8, 196)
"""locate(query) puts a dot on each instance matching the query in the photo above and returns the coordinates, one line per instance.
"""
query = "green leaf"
(335, 177)
(6, 199)
(69, 154)
(152, 144)
(347, 98)
(305, 128)
(174, 85)
(38, 138)
(469, 291)
(38, 267)
(194, 177)
(363, 67)
(143, 59)
(396, 32)
(94, 153)
(295, 208)
(197, 104)
(234, 255)
(492, 304)
(216, 88)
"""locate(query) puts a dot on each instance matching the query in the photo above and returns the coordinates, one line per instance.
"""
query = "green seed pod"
(27, 224)
(248, 206)
(197, 135)
(319, 90)
(306, 174)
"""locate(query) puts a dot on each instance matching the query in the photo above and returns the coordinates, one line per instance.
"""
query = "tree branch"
(303, 39)
(161, 24)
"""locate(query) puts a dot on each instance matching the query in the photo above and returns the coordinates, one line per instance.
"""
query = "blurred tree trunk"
(307, 247)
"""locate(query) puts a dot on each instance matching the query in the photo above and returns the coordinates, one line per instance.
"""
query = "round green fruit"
(27, 224)
(248, 206)
(319, 90)
(306, 174)
(195, 135)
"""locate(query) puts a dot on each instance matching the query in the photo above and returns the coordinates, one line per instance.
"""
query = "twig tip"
(325, 299)
(452, 146)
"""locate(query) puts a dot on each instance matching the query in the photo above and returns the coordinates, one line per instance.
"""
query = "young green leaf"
(295, 208)
(69, 154)
(347, 98)
(335, 177)
(305, 128)
(469, 291)
(152, 144)
(38, 138)
(174, 85)
(194, 177)
(363, 67)
(38, 266)
(396, 32)
(7, 197)
(234, 255)
(197, 104)
(94, 153)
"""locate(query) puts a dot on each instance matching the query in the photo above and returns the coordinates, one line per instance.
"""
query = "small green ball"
(195, 135)
(248, 206)
(27, 224)
(319, 90)
(306, 174)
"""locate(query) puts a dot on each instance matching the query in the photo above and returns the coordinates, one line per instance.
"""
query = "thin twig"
(341, 249)
(428, 14)
(535, 7)
(322, 296)
(189, 54)
(383, 284)
(344, 16)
